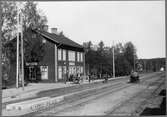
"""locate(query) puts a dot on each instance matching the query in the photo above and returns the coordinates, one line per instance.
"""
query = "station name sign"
(32, 63)
(71, 63)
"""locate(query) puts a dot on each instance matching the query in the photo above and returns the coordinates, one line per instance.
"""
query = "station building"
(63, 57)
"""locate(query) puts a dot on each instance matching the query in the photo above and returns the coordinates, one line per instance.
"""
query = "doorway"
(32, 73)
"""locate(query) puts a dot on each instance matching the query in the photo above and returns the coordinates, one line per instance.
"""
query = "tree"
(122, 66)
(102, 59)
(88, 54)
(130, 53)
(8, 23)
(8, 19)
(87, 46)
(101, 47)
(34, 49)
(118, 49)
(32, 18)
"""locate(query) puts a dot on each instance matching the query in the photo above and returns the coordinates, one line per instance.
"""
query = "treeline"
(99, 58)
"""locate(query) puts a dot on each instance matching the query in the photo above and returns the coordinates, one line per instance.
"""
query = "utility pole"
(113, 61)
(134, 60)
(17, 56)
(1, 53)
(20, 54)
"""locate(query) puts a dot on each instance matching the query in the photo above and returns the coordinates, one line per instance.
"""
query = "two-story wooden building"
(62, 58)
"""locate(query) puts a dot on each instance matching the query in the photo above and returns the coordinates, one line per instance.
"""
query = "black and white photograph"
(83, 58)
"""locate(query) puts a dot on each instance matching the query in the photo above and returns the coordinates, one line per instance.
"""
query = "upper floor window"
(81, 57)
(64, 55)
(71, 55)
(59, 54)
(78, 56)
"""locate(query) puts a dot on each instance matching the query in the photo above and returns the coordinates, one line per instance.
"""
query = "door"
(32, 73)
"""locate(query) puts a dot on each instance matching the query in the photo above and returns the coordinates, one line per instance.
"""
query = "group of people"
(93, 76)
(76, 78)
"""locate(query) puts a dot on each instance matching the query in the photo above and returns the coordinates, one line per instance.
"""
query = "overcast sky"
(141, 22)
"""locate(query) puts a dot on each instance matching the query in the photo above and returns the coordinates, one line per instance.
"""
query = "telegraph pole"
(134, 60)
(20, 54)
(113, 61)
(17, 56)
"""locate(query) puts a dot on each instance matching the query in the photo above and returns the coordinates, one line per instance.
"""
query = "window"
(81, 57)
(64, 69)
(71, 55)
(78, 69)
(72, 70)
(59, 72)
(64, 55)
(44, 72)
(81, 69)
(59, 54)
(78, 57)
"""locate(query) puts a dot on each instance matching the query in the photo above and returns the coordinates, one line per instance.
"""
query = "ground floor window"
(72, 70)
(60, 72)
(44, 72)
(80, 69)
(64, 69)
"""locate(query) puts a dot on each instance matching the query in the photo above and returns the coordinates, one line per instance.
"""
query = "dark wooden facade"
(50, 67)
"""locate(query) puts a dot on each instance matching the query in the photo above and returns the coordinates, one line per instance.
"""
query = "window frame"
(59, 54)
(64, 54)
(71, 55)
(81, 57)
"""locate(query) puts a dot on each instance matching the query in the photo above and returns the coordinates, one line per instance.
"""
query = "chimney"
(54, 30)
(45, 28)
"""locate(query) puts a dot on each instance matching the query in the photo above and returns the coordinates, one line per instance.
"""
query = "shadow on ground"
(157, 111)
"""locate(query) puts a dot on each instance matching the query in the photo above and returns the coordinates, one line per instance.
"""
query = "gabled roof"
(59, 39)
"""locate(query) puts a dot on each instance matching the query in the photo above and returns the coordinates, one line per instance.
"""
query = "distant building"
(63, 57)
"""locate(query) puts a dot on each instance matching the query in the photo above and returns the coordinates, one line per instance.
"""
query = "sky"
(141, 22)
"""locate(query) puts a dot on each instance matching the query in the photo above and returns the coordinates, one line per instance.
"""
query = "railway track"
(142, 94)
(84, 98)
